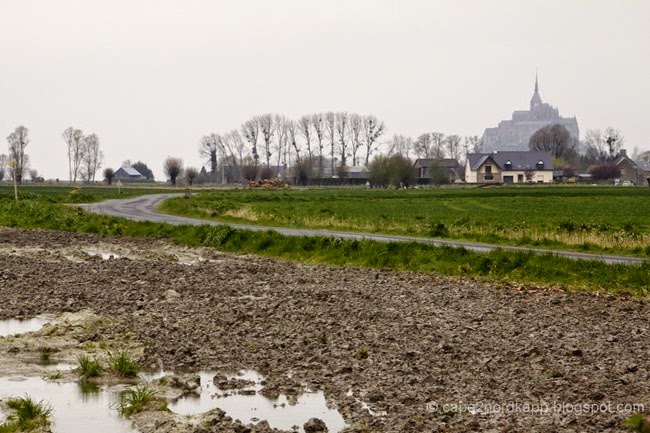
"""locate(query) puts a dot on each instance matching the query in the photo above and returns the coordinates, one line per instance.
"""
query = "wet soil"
(432, 353)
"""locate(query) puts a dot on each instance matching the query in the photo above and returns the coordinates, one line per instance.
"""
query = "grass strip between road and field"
(518, 267)
(589, 219)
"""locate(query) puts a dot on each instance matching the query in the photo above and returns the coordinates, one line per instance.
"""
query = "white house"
(509, 167)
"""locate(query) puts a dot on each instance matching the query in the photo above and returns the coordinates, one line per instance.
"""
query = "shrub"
(605, 171)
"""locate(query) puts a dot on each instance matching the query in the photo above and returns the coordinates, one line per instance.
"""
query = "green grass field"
(586, 218)
(47, 208)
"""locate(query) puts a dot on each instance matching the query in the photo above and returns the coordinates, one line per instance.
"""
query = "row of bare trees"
(434, 145)
(84, 155)
(325, 140)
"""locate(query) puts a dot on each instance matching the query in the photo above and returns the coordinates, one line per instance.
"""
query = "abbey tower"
(514, 134)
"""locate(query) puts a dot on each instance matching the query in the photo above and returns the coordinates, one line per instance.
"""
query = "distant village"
(536, 145)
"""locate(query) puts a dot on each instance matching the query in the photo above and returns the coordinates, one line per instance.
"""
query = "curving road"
(142, 208)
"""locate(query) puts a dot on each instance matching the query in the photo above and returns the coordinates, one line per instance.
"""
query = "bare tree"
(4, 161)
(33, 174)
(355, 130)
(319, 129)
(556, 139)
(342, 124)
(453, 146)
(423, 146)
(109, 174)
(18, 141)
(642, 156)
(373, 129)
(330, 126)
(251, 130)
(596, 147)
(267, 128)
(282, 140)
(92, 157)
(529, 173)
(292, 131)
(173, 167)
(74, 140)
(190, 174)
(614, 140)
(473, 144)
(437, 145)
(400, 145)
(304, 126)
(234, 145)
(209, 146)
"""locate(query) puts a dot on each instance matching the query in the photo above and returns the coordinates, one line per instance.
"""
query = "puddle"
(105, 255)
(15, 326)
(366, 406)
(77, 408)
(253, 408)
(82, 407)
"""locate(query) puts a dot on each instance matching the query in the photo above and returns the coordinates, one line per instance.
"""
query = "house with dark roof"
(632, 171)
(128, 173)
(425, 168)
(509, 167)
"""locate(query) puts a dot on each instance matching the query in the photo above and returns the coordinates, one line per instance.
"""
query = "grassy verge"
(613, 220)
(526, 268)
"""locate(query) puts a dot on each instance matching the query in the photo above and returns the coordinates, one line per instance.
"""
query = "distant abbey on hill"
(514, 134)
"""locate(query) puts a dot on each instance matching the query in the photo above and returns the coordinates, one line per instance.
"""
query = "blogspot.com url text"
(534, 408)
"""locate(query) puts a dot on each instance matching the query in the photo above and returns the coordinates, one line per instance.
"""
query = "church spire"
(536, 100)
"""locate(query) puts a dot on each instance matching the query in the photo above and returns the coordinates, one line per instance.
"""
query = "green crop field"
(82, 194)
(48, 208)
(614, 220)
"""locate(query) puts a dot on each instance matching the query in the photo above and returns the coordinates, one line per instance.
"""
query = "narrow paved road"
(143, 209)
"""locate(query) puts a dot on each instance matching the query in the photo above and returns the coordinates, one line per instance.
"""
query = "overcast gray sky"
(151, 77)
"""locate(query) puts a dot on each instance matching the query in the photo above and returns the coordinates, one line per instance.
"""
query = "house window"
(508, 165)
(488, 172)
(508, 179)
(540, 165)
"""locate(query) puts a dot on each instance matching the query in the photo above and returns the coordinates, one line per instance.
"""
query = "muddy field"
(425, 353)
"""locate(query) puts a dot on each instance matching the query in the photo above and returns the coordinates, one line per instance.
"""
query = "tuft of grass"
(122, 364)
(25, 414)
(135, 399)
(52, 375)
(88, 367)
(363, 353)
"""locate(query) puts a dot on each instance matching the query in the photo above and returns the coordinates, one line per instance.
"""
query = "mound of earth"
(393, 351)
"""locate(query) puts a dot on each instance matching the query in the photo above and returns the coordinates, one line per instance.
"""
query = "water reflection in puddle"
(78, 407)
(256, 407)
(105, 255)
(15, 326)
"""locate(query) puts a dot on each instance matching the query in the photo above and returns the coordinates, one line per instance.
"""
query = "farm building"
(128, 173)
(430, 168)
(632, 171)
